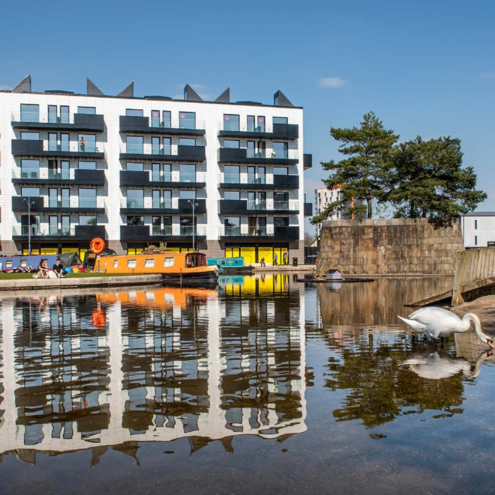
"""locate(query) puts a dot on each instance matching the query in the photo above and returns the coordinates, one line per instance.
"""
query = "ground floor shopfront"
(59, 248)
(254, 253)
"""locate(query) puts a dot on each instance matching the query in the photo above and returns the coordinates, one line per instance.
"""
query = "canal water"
(264, 385)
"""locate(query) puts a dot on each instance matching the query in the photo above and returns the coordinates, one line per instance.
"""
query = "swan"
(435, 367)
(437, 322)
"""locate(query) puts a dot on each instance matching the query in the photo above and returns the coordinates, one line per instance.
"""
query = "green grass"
(18, 276)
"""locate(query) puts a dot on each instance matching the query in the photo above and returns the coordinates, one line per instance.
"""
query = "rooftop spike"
(224, 97)
(128, 91)
(190, 94)
(280, 100)
(92, 89)
(24, 86)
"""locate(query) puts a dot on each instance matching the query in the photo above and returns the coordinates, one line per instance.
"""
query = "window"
(280, 120)
(87, 143)
(30, 192)
(280, 150)
(64, 115)
(168, 262)
(187, 142)
(87, 198)
(87, 165)
(187, 173)
(229, 143)
(156, 199)
(167, 119)
(280, 171)
(230, 122)
(281, 222)
(155, 145)
(30, 113)
(135, 198)
(30, 136)
(131, 263)
(65, 198)
(88, 220)
(52, 114)
(53, 225)
(65, 224)
(155, 118)
(23, 263)
(134, 220)
(87, 110)
(476, 224)
(115, 263)
(232, 226)
(149, 263)
(30, 169)
(131, 112)
(232, 195)
(261, 124)
(187, 120)
(231, 174)
(187, 194)
(251, 149)
(134, 167)
(134, 144)
(251, 119)
(167, 146)
(65, 142)
(475, 240)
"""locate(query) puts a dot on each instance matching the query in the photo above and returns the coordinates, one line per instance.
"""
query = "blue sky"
(424, 67)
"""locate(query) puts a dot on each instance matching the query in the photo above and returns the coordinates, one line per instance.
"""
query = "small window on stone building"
(475, 240)
(476, 224)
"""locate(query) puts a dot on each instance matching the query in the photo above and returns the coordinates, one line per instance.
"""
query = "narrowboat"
(183, 268)
(232, 266)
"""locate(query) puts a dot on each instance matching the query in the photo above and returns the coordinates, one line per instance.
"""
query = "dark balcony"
(145, 179)
(51, 234)
(36, 148)
(308, 209)
(279, 182)
(245, 207)
(240, 155)
(183, 153)
(19, 204)
(143, 233)
(308, 161)
(280, 131)
(81, 177)
(141, 125)
(261, 235)
(82, 123)
(164, 208)
(286, 181)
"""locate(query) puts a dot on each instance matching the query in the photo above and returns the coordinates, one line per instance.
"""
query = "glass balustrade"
(158, 230)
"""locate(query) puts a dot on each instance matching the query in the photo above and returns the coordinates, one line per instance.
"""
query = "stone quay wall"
(388, 247)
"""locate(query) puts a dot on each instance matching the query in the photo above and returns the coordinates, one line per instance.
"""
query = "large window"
(187, 195)
(88, 220)
(229, 143)
(135, 198)
(52, 114)
(280, 120)
(87, 110)
(134, 167)
(30, 169)
(281, 222)
(232, 226)
(280, 171)
(53, 198)
(30, 192)
(280, 150)
(251, 119)
(134, 144)
(65, 198)
(30, 113)
(87, 143)
(281, 200)
(134, 220)
(232, 195)
(132, 112)
(64, 115)
(30, 136)
(167, 119)
(231, 174)
(261, 124)
(87, 198)
(186, 227)
(187, 120)
(187, 173)
(230, 122)
(187, 142)
(87, 165)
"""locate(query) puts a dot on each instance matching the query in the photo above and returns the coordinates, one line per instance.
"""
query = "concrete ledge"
(284, 268)
(33, 284)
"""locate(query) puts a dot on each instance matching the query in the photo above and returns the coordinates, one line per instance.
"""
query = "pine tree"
(364, 173)
(427, 181)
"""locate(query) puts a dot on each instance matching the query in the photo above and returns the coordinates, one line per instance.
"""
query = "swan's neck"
(471, 317)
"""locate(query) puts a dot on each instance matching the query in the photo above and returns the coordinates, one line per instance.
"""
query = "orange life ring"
(97, 245)
(98, 318)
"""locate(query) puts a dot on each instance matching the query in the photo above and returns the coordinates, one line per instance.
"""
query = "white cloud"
(5, 87)
(331, 82)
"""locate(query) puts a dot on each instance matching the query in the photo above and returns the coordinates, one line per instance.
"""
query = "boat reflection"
(156, 365)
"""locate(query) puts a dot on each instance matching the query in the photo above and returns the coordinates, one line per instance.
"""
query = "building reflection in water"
(156, 365)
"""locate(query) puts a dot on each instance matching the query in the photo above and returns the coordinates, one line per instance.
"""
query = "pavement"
(283, 268)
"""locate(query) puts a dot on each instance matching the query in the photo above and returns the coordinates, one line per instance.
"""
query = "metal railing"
(45, 231)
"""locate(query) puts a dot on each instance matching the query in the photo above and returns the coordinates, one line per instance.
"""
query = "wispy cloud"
(5, 87)
(488, 74)
(331, 82)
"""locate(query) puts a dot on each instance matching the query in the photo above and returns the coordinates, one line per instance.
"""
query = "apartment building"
(478, 229)
(323, 197)
(226, 177)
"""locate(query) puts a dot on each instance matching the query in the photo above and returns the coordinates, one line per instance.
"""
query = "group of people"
(57, 271)
(275, 259)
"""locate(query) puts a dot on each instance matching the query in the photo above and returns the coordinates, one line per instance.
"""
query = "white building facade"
(152, 170)
(478, 229)
(323, 197)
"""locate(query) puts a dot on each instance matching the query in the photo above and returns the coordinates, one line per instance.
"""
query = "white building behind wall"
(478, 229)
(323, 197)
(128, 169)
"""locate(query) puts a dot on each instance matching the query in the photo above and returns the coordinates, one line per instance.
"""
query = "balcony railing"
(172, 123)
(79, 121)
(245, 231)
(37, 230)
(182, 152)
(242, 179)
(156, 230)
(73, 147)
(36, 147)
(165, 204)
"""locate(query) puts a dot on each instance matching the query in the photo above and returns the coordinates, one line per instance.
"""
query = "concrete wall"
(388, 247)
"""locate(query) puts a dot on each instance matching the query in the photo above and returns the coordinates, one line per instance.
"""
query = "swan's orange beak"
(490, 343)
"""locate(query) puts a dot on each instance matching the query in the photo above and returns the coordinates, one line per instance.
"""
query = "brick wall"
(388, 247)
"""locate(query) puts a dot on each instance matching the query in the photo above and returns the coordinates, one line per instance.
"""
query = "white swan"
(435, 367)
(437, 322)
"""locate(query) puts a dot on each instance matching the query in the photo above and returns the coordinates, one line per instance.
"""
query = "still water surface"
(264, 385)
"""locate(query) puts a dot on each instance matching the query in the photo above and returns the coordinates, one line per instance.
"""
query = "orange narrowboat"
(190, 268)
